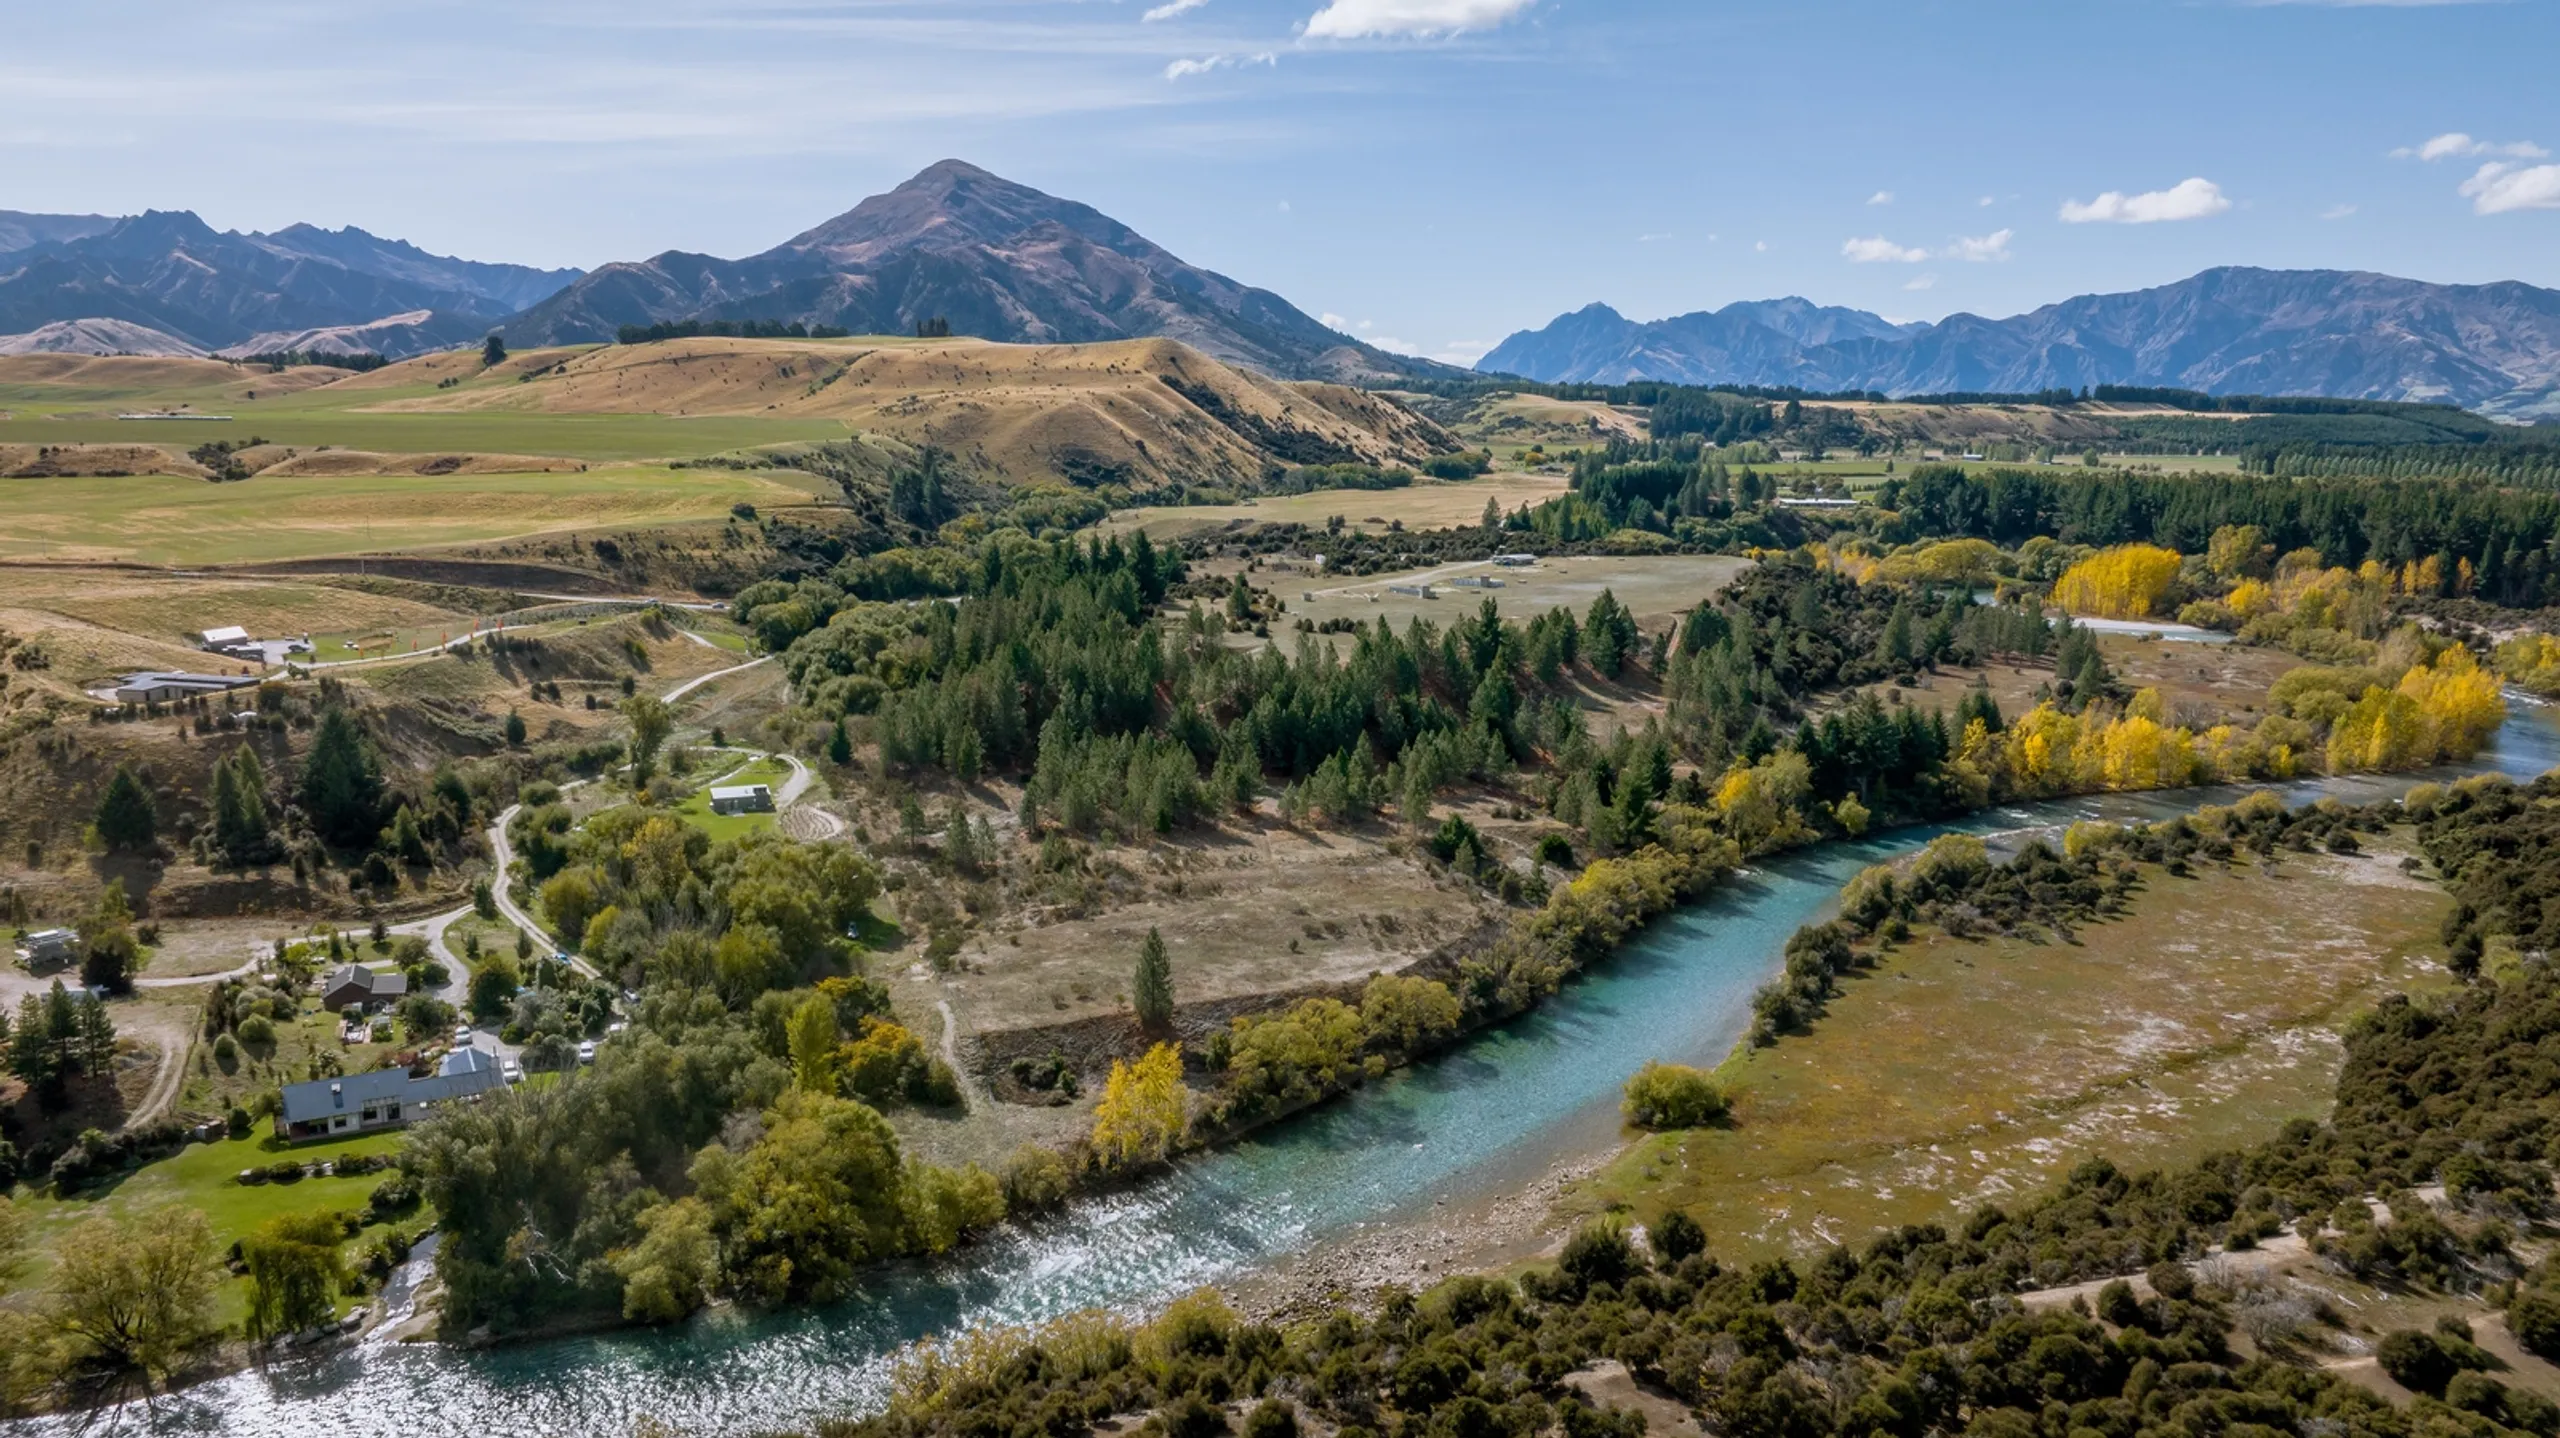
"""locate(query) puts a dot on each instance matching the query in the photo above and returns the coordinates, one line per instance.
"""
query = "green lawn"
(696, 808)
(201, 1177)
(169, 520)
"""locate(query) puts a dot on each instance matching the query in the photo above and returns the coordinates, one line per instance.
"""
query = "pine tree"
(128, 822)
(839, 746)
(1151, 988)
(342, 782)
(515, 730)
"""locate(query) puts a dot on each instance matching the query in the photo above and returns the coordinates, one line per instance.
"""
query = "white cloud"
(2187, 200)
(1184, 69)
(1877, 250)
(1171, 8)
(1359, 19)
(1922, 282)
(1333, 321)
(1463, 353)
(1284, 207)
(1881, 197)
(2499, 187)
(1652, 238)
(2337, 212)
(1981, 250)
(1762, 246)
(2459, 146)
(1986, 202)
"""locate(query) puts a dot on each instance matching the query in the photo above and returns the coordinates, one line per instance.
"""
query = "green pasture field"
(1955, 1072)
(307, 422)
(165, 519)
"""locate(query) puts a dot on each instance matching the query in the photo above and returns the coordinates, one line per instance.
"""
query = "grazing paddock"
(169, 520)
(1655, 588)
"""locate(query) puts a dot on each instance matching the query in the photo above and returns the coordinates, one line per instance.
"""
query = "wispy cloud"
(1921, 282)
(1982, 249)
(2191, 199)
(1977, 249)
(1463, 353)
(1881, 197)
(1363, 19)
(1877, 250)
(1653, 238)
(2337, 212)
(2456, 145)
(2498, 187)
(1184, 69)
(1171, 8)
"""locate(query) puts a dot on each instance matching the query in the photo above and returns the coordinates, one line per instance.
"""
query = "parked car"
(511, 1071)
(461, 1035)
(587, 1051)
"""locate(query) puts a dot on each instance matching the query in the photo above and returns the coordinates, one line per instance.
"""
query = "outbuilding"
(48, 949)
(742, 799)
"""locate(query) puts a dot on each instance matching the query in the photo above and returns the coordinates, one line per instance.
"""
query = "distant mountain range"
(170, 273)
(2338, 333)
(996, 259)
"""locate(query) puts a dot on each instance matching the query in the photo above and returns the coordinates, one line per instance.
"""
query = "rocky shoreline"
(1493, 1232)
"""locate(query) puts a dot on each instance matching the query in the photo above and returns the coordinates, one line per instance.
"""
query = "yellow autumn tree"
(2130, 581)
(2385, 729)
(1142, 1108)
(2460, 701)
(2531, 660)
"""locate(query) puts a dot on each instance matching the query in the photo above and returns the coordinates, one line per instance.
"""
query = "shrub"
(2416, 1361)
(1662, 1096)
(1678, 1237)
(1598, 1252)
(2534, 1318)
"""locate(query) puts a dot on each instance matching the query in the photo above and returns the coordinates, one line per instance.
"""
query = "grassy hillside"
(1139, 413)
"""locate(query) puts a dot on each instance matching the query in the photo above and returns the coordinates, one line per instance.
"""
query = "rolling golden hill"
(1137, 412)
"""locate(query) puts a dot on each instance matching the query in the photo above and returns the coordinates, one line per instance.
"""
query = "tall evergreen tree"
(1151, 989)
(342, 782)
(128, 822)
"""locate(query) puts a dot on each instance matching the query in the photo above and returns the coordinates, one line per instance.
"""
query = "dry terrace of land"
(1958, 1071)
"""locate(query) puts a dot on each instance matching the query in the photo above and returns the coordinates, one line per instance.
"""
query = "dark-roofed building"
(356, 984)
(157, 686)
(385, 1098)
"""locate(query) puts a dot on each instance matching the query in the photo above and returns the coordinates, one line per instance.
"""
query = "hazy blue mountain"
(997, 259)
(169, 271)
(21, 231)
(2340, 333)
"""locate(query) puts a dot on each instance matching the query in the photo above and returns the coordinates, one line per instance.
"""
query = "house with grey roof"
(385, 1098)
(355, 984)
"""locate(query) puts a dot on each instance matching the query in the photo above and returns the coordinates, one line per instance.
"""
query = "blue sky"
(1435, 173)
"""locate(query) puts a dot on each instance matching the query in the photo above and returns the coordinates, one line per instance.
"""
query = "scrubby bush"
(1665, 1096)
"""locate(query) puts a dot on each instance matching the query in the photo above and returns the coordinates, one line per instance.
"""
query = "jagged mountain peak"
(2227, 330)
(994, 258)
